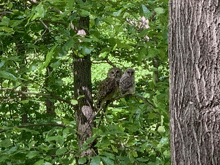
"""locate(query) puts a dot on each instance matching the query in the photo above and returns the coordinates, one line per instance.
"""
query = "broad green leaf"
(74, 102)
(2, 63)
(39, 12)
(116, 14)
(82, 160)
(145, 10)
(32, 154)
(95, 160)
(7, 75)
(61, 151)
(164, 140)
(84, 13)
(5, 84)
(6, 29)
(161, 129)
(15, 23)
(159, 10)
(47, 163)
(86, 50)
(40, 162)
(107, 160)
(166, 153)
(59, 139)
(5, 143)
(134, 153)
(5, 21)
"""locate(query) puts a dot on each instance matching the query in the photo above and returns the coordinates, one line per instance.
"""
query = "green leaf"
(39, 12)
(95, 160)
(159, 10)
(145, 11)
(82, 160)
(55, 64)
(40, 162)
(166, 153)
(74, 102)
(84, 13)
(6, 29)
(86, 50)
(24, 101)
(7, 75)
(16, 22)
(114, 148)
(134, 153)
(103, 54)
(59, 139)
(161, 129)
(5, 84)
(5, 21)
(2, 63)
(61, 151)
(47, 163)
(116, 14)
(48, 58)
(5, 143)
(107, 160)
(32, 154)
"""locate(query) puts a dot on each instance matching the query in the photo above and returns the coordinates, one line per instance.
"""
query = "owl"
(108, 87)
(127, 82)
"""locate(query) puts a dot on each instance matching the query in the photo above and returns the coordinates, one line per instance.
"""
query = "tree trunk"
(82, 91)
(50, 107)
(22, 68)
(194, 50)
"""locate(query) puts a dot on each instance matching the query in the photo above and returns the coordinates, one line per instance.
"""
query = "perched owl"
(109, 86)
(127, 82)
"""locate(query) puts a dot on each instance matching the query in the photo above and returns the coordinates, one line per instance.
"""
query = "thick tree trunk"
(194, 56)
(82, 91)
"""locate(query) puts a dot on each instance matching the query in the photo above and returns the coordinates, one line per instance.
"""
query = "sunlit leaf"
(159, 10)
(48, 58)
(39, 12)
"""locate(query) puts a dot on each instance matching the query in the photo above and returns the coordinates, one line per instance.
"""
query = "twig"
(33, 125)
(136, 96)
(38, 94)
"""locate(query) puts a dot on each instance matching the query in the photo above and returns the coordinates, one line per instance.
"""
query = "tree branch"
(33, 125)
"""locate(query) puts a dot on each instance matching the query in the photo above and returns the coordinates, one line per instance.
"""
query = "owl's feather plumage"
(109, 86)
(127, 82)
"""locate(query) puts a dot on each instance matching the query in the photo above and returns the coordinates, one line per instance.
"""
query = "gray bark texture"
(194, 59)
(84, 111)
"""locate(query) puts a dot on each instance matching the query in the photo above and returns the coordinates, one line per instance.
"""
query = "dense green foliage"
(37, 39)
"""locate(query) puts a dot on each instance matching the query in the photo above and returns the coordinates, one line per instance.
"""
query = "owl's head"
(130, 72)
(114, 73)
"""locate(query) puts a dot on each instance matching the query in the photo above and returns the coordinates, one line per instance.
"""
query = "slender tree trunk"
(22, 68)
(194, 50)
(49, 103)
(82, 91)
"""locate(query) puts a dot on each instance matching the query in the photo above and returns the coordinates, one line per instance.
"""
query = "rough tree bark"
(194, 50)
(82, 91)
